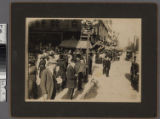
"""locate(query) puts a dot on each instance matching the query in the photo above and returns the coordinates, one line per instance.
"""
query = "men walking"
(107, 65)
(48, 83)
(79, 72)
(134, 73)
(56, 72)
(104, 66)
(71, 79)
(63, 66)
(90, 64)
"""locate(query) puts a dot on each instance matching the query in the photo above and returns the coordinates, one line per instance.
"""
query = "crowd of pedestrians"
(54, 70)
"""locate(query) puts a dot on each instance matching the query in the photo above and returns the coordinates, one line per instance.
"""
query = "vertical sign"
(3, 40)
(3, 32)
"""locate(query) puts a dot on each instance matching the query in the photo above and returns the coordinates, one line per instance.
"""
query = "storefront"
(50, 33)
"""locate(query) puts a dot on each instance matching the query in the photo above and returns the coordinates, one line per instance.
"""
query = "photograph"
(3, 61)
(83, 60)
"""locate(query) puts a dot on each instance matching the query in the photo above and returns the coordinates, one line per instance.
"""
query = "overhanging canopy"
(81, 44)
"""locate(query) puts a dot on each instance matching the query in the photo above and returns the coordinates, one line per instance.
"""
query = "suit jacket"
(48, 83)
(104, 63)
(71, 79)
(134, 68)
(62, 64)
(77, 67)
(82, 68)
(107, 63)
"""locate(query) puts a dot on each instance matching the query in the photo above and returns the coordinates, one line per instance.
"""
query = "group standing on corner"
(53, 71)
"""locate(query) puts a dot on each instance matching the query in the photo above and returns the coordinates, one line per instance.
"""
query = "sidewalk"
(116, 87)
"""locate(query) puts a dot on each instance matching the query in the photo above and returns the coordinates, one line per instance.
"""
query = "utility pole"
(87, 55)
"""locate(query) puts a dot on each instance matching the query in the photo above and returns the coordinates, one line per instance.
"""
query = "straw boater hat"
(51, 53)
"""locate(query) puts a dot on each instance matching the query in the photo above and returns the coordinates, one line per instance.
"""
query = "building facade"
(50, 33)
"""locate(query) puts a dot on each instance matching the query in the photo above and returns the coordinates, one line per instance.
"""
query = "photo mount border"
(146, 11)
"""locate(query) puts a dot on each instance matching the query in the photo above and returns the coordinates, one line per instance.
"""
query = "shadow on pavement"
(92, 93)
(94, 67)
(128, 76)
(77, 93)
(66, 96)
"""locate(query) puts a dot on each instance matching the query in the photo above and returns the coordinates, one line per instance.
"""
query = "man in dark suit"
(79, 72)
(42, 65)
(63, 66)
(71, 78)
(90, 64)
(104, 66)
(107, 65)
(48, 83)
(134, 73)
(134, 67)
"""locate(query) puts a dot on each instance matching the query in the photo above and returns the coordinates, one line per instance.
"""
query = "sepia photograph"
(83, 60)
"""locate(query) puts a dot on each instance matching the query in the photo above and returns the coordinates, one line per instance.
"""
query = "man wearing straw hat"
(48, 81)
(107, 65)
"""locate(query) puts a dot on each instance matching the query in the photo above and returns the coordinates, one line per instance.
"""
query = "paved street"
(115, 88)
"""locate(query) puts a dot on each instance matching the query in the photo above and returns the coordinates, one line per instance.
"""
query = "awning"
(81, 44)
